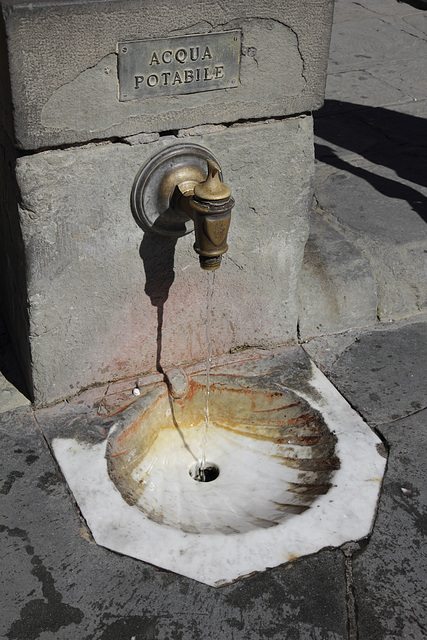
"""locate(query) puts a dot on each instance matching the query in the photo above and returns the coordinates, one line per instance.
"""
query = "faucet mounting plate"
(184, 164)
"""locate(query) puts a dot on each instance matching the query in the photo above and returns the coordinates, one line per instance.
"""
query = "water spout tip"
(210, 263)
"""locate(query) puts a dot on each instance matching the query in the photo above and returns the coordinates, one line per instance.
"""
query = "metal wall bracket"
(155, 182)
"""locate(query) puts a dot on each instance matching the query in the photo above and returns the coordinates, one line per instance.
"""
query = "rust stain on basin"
(274, 452)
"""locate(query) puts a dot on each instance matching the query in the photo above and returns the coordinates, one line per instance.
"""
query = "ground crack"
(348, 550)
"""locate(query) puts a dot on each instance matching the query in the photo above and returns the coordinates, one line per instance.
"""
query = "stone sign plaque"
(173, 66)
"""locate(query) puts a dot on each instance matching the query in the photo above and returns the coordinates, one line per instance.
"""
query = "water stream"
(210, 291)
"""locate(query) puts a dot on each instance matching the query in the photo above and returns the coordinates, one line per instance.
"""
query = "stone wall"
(63, 60)
(107, 300)
(97, 298)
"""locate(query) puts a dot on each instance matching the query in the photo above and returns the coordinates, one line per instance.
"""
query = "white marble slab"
(346, 512)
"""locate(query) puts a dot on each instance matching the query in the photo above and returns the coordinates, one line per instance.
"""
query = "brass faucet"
(172, 189)
(208, 203)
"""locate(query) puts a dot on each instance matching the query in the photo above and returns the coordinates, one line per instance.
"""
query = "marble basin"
(299, 470)
(274, 453)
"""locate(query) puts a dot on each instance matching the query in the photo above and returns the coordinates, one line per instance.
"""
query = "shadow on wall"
(158, 255)
(9, 365)
(397, 141)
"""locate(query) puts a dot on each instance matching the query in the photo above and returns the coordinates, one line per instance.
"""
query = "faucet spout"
(210, 208)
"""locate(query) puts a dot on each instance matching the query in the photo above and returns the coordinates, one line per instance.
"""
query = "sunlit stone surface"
(298, 471)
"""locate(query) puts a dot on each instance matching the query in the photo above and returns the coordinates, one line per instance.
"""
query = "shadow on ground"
(397, 141)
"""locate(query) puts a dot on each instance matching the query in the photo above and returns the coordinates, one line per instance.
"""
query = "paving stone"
(417, 20)
(413, 22)
(345, 10)
(372, 182)
(390, 574)
(382, 373)
(408, 76)
(385, 8)
(34, 502)
(417, 108)
(339, 126)
(355, 44)
(357, 189)
(363, 88)
(406, 128)
(395, 136)
(384, 218)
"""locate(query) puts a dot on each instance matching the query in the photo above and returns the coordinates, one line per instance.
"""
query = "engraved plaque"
(173, 66)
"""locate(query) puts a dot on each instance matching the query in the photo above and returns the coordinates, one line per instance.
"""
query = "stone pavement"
(369, 234)
(366, 256)
(56, 583)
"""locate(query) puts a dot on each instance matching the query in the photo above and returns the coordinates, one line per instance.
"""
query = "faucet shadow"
(397, 141)
(158, 256)
(178, 428)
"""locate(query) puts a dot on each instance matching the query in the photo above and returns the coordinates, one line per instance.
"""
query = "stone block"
(107, 300)
(337, 289)
(63, 65)
(351, 192)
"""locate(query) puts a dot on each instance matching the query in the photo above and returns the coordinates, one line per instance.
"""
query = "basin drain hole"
(206, 473)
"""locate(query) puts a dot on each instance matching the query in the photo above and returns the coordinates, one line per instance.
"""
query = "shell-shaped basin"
(274, 453)
(297, 468)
